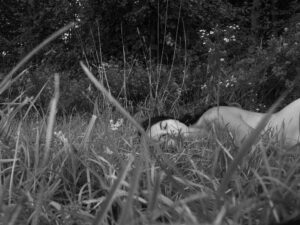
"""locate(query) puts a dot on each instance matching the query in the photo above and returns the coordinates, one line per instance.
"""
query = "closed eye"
(163, 127)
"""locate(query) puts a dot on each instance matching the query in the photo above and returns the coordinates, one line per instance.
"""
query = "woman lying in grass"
(239, 122)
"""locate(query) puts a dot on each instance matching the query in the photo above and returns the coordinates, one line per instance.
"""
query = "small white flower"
(222, 59)
(108, 151)
(211, 32)
(204, 86)
(226, 40)
(117, 125)
(61, 136)
(233, 79)
(89, 89)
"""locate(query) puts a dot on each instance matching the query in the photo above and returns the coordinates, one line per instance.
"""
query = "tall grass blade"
(111, 98)
(31, 105)
(271, 203)
(153, 198)
(51, 119)
(89, 131)
(110, 197)
(246, 146)
(14, 166)
(6, 81)
(126, 216)
(14, 215)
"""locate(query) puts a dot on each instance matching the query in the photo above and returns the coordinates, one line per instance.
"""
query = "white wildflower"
(61, 136)
(117, 124)
(204, 86)
(233, 79)
(108, 151)
(226, 40)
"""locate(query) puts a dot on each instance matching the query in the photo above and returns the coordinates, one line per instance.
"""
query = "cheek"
(156, 134)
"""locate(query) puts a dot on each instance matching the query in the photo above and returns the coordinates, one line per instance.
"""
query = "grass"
(79, 170)
(95, 175)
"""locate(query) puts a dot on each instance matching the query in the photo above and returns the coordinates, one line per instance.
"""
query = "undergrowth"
(96, 169)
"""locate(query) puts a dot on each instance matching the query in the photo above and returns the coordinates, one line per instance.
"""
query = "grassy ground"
(97, 173)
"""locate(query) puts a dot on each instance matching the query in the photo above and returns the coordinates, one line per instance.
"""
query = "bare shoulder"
(294, 106)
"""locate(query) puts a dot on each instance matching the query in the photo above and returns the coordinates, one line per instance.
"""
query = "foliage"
(174, 47)
(79, 170)
(271, 70)
(24, 24)
(255, 80)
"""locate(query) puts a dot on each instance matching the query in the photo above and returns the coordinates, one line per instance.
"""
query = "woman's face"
(161, 130)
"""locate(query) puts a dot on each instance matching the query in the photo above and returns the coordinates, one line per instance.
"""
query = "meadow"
(96, 169)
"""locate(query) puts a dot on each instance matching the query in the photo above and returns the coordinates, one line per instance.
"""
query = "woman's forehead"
(167, 124)
(154, 120)
(173, 126)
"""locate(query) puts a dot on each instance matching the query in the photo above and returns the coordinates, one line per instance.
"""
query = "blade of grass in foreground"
(246, 146)
(111, 98)
(268, 195)
(88, 131)
(145, 151)
(6, 81)
(127, 214)
(10, 191)
(51, 119)
(110, 197)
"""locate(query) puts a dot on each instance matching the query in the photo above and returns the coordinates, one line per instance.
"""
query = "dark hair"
(153, 120)
(187, 119)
